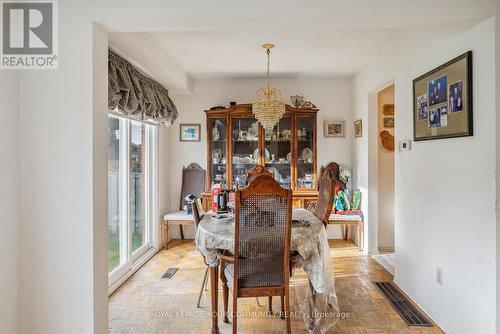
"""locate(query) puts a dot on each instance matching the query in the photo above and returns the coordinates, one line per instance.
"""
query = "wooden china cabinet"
(236, 143)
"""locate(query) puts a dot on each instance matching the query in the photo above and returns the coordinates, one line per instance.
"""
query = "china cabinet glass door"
(218, 143)
(278, 151)
(245, 148)
(305, 152)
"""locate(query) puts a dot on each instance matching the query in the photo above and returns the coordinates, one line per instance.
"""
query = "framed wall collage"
(442, 101)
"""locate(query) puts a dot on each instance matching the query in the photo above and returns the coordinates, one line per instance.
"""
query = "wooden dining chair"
(257, 170)
(193, 182)
(259, 266)
(329, 176)
(197, 216)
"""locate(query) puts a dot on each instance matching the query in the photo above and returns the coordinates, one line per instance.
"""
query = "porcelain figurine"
(215, 133)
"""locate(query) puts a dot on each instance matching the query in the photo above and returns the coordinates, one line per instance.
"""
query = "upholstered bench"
(180, 218)
(351, 219)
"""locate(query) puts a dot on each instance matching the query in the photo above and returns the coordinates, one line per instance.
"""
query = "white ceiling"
(239, 54)
(200, 39)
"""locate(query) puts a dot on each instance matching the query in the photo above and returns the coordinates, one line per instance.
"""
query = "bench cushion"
(178, 215)
(338, 217)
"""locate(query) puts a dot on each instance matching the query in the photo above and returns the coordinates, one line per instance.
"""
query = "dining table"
(308, 241)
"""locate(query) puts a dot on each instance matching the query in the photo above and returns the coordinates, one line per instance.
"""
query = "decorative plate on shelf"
(246, 160)
(256, 155)
(307, 155)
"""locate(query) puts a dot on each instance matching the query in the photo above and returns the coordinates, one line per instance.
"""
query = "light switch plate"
(404, 145)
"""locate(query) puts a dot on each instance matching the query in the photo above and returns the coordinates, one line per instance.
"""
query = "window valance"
(136, 96)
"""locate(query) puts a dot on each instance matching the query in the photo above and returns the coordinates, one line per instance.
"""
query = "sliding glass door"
(131, 193)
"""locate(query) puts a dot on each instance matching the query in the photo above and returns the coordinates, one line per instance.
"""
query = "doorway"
(385, 151)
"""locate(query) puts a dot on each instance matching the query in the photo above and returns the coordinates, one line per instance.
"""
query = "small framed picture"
(388, 109)
(358, 128)
(388, 122)
(335, 129)
(189, 132)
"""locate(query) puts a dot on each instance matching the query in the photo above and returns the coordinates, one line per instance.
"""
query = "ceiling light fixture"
(268, 109)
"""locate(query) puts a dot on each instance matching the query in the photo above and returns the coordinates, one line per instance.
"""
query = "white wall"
(9, 215)
(331, 96)
(56, 185)
(100, 178)
(445, 218)
(497, 115)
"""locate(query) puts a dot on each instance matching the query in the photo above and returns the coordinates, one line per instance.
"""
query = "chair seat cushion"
(350, 217)
(259, 276)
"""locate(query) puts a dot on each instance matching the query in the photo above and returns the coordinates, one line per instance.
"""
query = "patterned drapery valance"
(136, 96)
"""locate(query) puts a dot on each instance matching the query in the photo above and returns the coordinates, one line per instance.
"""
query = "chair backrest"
(257, 170)
(328, 179)
(193, 182)
(197, 211)
(263, 222)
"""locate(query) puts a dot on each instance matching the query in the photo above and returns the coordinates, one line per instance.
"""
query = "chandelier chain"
(268, 63)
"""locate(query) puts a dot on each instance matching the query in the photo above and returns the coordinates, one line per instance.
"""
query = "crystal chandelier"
(268, 109)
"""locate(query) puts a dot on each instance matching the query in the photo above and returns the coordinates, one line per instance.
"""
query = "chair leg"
(225, 292)
(282, 313)
(225, 297)
(203, 284)
(287, 312)
(206, 282)
(270, 304)
(234, 311)
(182, 232)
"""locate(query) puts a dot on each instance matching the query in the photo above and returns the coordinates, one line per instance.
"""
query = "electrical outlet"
(439, 276)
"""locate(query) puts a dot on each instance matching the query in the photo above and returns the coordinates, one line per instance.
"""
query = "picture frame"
(388, 122)
(358, 128)
(335, 129)
(388, 109)
(190, 132)
(442, 101)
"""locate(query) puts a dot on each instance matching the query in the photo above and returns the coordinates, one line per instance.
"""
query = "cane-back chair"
(259, 265)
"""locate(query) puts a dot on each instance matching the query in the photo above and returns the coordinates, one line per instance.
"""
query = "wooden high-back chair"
(328, 179)
(259, 266)
(193, 182)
